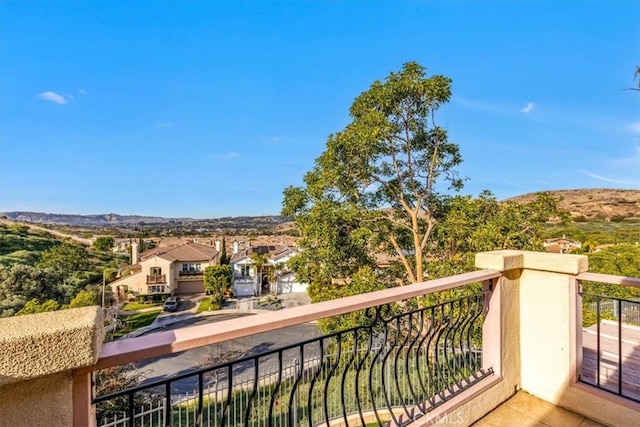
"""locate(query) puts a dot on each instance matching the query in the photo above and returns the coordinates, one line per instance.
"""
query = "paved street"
(155, 369)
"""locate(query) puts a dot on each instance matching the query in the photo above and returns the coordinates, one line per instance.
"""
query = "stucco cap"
(505, 260)
(45, 343)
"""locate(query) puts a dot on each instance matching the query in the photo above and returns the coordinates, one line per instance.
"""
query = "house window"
(191, 267)
(155, 289)
(245, 270)
(156, 271)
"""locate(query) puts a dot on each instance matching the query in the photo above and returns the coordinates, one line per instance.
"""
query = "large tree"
(376, 197)
(217, 279)
(373, 189)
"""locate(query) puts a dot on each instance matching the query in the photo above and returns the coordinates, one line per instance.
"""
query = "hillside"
(100, 220)
(603, 204)
(151, 224)
(595, 203)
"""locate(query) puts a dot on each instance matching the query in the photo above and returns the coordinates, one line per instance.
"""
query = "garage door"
(243, 289)
(191, 287)
(285, 287)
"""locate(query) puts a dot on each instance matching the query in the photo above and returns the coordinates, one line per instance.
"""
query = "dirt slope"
(596, 202)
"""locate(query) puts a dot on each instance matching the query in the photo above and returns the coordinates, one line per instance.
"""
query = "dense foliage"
(39, 272)
(104, 243)
(377, 178)
(217, 279)
(370, 215)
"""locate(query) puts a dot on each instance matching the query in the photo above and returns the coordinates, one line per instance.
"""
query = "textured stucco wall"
(39, 402)
(42, 344)
(546, 322)
(38, 353)
(546, 336)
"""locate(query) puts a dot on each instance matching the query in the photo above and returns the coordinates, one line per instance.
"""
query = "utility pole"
(103, 286)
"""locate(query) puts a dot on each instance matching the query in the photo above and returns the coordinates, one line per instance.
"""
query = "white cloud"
(612, 180)
(164, 125)
(528, 108)
(82, 91)
(53, 97)
(634, 128)
(226, 156)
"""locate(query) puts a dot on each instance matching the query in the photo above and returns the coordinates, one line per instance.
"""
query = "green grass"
(132, 306)
(205, 305)
(136, 321)
(598, 231)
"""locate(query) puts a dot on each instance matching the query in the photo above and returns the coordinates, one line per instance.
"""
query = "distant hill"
(590, 203)
(112, 221)
(594, 203)
(101, 220)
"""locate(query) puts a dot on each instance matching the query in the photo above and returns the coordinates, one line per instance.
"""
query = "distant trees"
(37, 269)
(20, 284)
(85, 298)
(224, 259)
(104, 243)
(65, 259)
(33, 306)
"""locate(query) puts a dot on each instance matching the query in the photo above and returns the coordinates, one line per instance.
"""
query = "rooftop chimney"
(134, 253)
(235, 247)
(218, 247)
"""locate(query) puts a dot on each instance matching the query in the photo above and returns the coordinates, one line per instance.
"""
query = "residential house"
(561, 245)
(172, 269)
(270, 277)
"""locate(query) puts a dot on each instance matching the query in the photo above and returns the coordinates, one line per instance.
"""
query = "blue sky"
(209, 109)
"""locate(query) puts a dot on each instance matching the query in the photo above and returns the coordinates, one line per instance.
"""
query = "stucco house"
(561, 245)
(172, 269)
(274, 276)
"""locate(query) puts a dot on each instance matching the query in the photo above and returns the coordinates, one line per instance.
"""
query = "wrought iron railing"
(611, 345)
(156, 278)
(402, 361)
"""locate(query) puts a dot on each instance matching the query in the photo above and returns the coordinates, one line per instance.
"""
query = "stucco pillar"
(548, 331)
(38, 354)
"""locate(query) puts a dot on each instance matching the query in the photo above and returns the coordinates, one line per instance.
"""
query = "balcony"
(156, 279)
(412, 359)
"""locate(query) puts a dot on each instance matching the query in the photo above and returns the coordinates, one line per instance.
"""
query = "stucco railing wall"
(550, 333)
(38, 354)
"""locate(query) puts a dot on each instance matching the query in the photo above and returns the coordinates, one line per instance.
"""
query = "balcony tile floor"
(525, 410)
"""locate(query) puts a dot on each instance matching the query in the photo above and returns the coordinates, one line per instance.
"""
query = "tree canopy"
(217, 279)
(382, 194)
(104, 243)
(382, 168)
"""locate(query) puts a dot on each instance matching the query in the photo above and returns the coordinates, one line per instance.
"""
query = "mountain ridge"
(588, 203)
